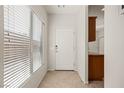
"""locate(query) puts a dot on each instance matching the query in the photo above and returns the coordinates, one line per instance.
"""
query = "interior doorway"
(96, 43)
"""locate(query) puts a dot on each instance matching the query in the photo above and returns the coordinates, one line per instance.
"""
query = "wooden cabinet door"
(96, 67)
(92, 29)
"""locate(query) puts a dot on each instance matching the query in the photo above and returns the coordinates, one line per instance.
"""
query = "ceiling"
(99, 7)
(55, 9)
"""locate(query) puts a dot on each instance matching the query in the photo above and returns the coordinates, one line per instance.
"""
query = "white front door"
(64, 49)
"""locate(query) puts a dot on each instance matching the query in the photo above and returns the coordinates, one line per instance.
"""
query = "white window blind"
(17, 59)
(37, 43)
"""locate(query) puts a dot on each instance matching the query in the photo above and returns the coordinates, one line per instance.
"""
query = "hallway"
(66, 79)
(53, 47)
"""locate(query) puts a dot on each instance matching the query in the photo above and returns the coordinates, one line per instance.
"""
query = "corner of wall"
(82, 44)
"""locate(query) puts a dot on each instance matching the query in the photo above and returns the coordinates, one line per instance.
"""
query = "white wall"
(58, 21)
(82, 43)
(95, 10)
(1, 47)
(37, 76)
(114, 47)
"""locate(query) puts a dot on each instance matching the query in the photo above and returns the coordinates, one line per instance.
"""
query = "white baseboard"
(54, 69)
(51, 69)
(75, 69)
(86, 82)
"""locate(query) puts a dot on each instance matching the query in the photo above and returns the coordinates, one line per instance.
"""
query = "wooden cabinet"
(96, 67)
(92, 29)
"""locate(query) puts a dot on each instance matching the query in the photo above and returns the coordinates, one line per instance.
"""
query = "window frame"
(42, 45)
(41, 42)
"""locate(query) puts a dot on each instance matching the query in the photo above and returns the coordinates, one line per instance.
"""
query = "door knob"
(56, 46)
